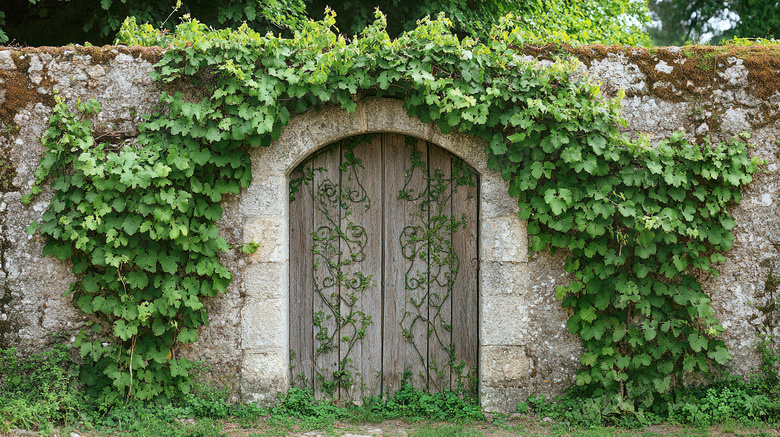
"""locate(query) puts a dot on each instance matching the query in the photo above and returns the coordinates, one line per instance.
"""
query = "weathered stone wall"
(704, 91)
(31, 286)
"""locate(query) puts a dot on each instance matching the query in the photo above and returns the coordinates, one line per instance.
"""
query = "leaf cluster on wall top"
(639, 222)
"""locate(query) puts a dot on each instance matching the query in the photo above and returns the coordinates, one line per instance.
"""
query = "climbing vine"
(338, 248)
(641, 223)
(432, 265)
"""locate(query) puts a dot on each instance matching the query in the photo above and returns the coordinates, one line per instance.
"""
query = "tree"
(602, 21)
(681, 21)
(59, 22)
(757, 19)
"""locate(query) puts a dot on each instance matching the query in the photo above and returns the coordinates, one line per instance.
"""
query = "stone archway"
(503, 269)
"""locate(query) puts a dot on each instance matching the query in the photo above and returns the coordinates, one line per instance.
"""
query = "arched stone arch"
(503, 271)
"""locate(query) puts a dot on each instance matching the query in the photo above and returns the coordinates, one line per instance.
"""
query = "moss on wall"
(692, 74)
(7, 175)
(761, 61)
(21, 91)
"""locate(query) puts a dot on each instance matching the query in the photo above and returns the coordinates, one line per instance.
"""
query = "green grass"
(41, 392)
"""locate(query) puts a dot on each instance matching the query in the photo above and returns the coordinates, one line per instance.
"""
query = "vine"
(430, 241)
(641, 223)
(337, 243)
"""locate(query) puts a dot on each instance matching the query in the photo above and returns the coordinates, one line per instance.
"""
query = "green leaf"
(123, 330)
(158, 327)
(168, 265)
(131, 224)
(33, 228)
(588, 314)
(137, 279)
(187, 335)
(146, 259)
(697, 342)
(177, 369)
(721, 355)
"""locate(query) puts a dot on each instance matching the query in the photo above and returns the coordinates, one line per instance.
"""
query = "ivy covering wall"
(640, 223)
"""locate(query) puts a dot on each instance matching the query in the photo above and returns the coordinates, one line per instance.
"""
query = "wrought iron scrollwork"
(429, 241)
(337, 243)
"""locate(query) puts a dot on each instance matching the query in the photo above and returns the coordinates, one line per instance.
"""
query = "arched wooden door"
(383, 268)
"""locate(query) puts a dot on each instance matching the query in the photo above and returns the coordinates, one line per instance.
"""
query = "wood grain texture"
(327, 245)
(361, 295)
(417, 273)
(465, 323)
(393, 342)
(423, 310)
(301, 283)
(442, 271)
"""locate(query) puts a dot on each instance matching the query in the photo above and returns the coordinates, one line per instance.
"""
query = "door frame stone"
(504, 367)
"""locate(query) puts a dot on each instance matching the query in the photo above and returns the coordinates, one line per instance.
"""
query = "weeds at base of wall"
(730, 400)
(40, 392)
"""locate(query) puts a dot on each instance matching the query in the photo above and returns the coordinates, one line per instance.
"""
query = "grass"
(41, 393)
(138, 424)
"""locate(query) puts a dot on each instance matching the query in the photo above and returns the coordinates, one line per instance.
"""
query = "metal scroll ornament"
(433, 265)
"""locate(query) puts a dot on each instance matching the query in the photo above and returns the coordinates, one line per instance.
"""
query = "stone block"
(503, 320)
(6, 61)
(616, 73)
(495, 200)
(504, 278)
(504, 366)
(467, 148)
(504, 239)
(501, 399)
(388, 115)
(266, 280)
(267, 195)
(736, 120)
(264, 324)
(293, 146)
(271, 235)
(332, 124)
(263, 375)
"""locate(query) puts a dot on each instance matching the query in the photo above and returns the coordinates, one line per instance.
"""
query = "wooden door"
(383, 269)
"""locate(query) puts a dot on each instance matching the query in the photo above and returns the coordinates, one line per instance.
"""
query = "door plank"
(361, 295)
(301, 281)
(443, 267)
(398, 338)
(326, 248)
(465, 323)
(392, 278)
(405, 262)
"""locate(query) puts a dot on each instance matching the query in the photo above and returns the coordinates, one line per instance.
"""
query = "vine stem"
(132, 352)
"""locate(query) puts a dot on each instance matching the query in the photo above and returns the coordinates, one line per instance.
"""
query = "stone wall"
(524, 345)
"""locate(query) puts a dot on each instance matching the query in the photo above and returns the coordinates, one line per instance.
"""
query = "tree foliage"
(602, 21)
(682, 21)
(757, 19)
(59, 22)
